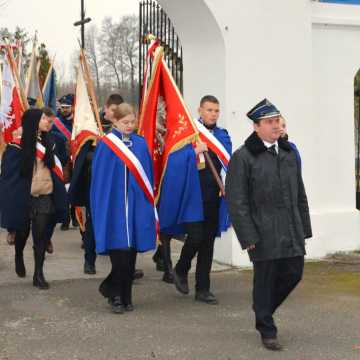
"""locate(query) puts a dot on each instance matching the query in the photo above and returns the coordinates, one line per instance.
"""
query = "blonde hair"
(122, 110)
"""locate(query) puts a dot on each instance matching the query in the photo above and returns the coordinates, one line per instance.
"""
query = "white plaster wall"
(244, 51)
(203, 50)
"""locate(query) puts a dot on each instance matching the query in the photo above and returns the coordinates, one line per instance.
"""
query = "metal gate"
(357, 136)
(154, 20)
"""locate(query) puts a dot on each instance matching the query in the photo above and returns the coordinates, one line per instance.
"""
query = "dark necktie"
(272, 150)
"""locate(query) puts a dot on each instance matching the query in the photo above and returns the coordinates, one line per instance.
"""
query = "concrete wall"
(303, 56)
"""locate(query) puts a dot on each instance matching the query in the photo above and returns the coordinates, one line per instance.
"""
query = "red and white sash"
(57, 169)
(213, 143)
(62, 128)
(134, 166)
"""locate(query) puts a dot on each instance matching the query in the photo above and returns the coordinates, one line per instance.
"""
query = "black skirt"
(42, 204)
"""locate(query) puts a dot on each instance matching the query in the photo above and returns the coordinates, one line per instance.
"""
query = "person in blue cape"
(31, 192)
(79, 190)
(190, 203)
(123, 217)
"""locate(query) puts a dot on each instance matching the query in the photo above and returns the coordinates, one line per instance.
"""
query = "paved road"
(321, 320)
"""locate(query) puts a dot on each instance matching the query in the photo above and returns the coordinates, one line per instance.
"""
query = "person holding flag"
(206, 200)
(32, 190)
(122, 205)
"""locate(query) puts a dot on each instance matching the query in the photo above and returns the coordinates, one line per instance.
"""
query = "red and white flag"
(165, 121)
(10, 107)
(85, 127)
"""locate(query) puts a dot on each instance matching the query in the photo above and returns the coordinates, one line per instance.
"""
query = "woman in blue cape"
(123, 217)
(32, 192)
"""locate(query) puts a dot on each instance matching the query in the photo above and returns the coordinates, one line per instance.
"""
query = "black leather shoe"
(89, 269)
(40, 282)
(20, 266)
(168, 278)
(64, 227)
(206, 297)
(117, 306)
(272, 344)
(138, 274)
(181, 283)
(129, 307)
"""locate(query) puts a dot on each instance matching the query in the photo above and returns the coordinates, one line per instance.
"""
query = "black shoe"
(38, 278)
(75, 223)
(20, 266)
(40, 283)
(64, 227)
(138, 274)
(117, 306)
(271, 344)
(181, 283)
(129, 307)
(206, 297)
(89, 269)
(168, 278)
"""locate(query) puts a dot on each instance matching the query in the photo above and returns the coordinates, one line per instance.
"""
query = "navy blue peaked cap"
(67, 100)
(264, 109)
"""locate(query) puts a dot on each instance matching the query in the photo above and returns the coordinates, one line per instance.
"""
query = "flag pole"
(48, 75)
(15, 72)
(91, 90)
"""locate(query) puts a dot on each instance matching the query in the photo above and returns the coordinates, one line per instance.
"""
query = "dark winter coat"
(267, 200)
(15, 192)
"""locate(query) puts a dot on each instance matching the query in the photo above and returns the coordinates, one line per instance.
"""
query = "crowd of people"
(112, 179)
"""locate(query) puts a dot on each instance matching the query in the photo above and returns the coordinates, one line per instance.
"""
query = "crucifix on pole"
(82, 23)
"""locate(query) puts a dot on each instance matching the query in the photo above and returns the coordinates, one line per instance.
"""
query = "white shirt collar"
(268, 145)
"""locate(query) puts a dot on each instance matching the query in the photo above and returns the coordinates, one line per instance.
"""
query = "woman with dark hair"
(32, 191)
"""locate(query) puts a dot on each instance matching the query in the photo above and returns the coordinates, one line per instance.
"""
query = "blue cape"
(15, 192)
(107, 200)
(180, 199)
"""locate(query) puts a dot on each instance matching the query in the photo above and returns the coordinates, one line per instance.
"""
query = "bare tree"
(92, 54)
(112, 55)
(129, 28)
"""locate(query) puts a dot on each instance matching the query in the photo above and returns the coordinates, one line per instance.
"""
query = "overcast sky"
(53, 19)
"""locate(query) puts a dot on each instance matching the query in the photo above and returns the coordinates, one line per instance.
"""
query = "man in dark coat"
(270, 215)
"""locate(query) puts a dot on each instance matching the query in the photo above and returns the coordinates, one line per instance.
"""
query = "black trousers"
(200, 242)
(273, 282)
(119, 281)
(89, 240)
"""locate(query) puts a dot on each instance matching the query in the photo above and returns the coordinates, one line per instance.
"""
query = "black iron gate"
(357, 137)
(153, 20)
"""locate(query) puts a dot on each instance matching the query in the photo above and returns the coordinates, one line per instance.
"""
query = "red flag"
(11, 108)
(165, 122)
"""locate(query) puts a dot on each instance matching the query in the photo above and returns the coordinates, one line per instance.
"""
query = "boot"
(39, 279)
(127, 295)
(19, 264)
(166, 255)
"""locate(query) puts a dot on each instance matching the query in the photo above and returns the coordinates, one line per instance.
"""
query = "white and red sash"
(62, 128)
(213, 143)
(57, 169)
(134, 166)
(40, 154)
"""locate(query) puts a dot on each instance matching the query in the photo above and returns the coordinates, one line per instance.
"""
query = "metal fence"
(154, 20)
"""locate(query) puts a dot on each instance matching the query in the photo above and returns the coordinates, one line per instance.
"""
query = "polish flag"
(10, 107)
